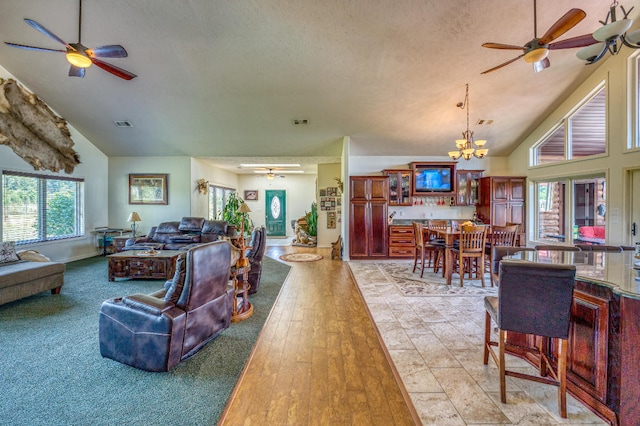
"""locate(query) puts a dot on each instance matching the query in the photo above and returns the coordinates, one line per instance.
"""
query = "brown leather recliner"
(255, 255)
(155, 332)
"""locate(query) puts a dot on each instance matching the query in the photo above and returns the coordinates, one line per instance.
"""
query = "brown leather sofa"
(181, 235)
(155, 332)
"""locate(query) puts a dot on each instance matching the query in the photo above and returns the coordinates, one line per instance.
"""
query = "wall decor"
(331, 220)
(148, 188)
(327, 203)
(323, 192)
(251, 195)
(332, 191)
(202, 185)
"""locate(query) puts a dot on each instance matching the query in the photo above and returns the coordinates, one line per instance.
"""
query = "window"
(582, 220)
(41, 208)
(581, 134)
(218, 196)
(635, 72)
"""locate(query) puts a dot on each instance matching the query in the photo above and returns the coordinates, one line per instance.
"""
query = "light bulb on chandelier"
(466, 146)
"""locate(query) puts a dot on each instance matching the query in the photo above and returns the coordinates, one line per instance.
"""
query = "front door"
(276, 212)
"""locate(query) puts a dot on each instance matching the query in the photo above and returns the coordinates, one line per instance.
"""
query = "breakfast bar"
(604, 339)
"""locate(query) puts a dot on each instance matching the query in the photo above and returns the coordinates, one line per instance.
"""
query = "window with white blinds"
(41, 208)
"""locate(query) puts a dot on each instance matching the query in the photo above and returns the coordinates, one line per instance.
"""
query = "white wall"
(300, 192)
(615, 71)
(326, 175)
(93, 168)
(202, 169)
(180, 190)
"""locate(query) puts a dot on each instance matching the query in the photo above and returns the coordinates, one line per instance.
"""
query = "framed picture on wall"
(148, 188)
(251, 195)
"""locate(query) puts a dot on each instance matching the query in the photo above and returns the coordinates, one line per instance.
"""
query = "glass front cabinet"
(399, 187)
(467, 190)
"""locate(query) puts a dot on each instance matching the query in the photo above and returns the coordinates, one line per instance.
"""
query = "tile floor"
(436, 344)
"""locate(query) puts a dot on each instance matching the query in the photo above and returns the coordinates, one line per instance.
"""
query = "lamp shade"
(134, 217)
(614, 29)
(244, 208)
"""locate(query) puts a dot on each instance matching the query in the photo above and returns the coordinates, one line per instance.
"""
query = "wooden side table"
(242, 308)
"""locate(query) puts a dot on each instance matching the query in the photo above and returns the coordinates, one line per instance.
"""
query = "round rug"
(300, 257)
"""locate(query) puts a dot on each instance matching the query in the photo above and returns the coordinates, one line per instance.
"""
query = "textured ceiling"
(226, 78)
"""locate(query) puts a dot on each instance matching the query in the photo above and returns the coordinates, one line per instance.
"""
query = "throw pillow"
(32, 256)
(8, 252)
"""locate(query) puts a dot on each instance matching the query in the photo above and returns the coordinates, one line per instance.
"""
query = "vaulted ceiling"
(228, 78)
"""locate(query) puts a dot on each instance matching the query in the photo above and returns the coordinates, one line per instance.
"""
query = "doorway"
(276, 212)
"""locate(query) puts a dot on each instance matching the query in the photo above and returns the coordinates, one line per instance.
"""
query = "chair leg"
(480, 262)
(503, 383)
(422, 256)
(415, 259)
(487, 337)
(562, 377)
(491, 270)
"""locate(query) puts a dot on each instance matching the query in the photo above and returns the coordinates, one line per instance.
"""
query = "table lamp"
(134, 217)
(242, 261)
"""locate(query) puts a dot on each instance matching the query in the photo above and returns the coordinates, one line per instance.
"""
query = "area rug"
(411, 285)
(53, 374)
(301, 257)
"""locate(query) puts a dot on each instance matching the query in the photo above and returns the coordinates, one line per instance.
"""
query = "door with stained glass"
(276, 213)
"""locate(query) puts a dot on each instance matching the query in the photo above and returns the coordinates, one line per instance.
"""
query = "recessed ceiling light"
(270, 165)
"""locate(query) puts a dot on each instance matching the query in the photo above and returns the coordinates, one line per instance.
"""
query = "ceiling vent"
(482, 121)
(301, 122)
(121, 123)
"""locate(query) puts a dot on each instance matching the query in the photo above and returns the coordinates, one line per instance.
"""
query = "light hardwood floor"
(318, 360)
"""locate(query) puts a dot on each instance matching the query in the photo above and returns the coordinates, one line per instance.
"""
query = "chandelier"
(611, 37)
(466, 146)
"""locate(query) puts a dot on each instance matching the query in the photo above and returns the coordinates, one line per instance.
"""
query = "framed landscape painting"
(148, 189)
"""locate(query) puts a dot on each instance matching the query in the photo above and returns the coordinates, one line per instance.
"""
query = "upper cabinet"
(467, 189)
(399, 186)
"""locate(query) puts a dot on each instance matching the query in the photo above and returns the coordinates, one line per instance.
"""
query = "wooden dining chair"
(501, 236)
(533, 298)
(470, 251)
(434, 225)
(429, 252)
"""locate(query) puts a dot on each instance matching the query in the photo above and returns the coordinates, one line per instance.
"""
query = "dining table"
(449, 235)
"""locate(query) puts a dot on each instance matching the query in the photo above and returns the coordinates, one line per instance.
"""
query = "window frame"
(212, 213)
(43, 208)
(633, 73)
(566, 122)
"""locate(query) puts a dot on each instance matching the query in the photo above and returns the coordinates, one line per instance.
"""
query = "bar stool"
(500, 236)
(533, 298)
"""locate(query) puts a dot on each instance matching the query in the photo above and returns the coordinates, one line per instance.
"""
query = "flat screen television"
(433, 179)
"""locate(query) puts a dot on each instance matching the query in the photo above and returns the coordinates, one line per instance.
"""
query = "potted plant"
(312, 220)
(233, 216)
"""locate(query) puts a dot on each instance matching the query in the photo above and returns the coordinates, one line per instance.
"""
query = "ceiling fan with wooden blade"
(78, 55)
(536, 51)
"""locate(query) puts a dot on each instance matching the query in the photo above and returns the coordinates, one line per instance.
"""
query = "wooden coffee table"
(137, 264)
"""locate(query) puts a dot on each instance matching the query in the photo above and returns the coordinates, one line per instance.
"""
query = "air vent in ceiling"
(123, 123)
(300, 122)
(483, 121)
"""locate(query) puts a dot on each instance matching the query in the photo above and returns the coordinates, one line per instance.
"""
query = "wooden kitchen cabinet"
(401, 241)
(502, 201)
(368, 216)
(467, 187)
(399, 186)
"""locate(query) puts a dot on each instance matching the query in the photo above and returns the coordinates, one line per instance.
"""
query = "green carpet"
(52, 372)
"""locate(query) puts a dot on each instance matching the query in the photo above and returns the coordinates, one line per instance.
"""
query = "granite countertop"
(615, 270)
(408, 222)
